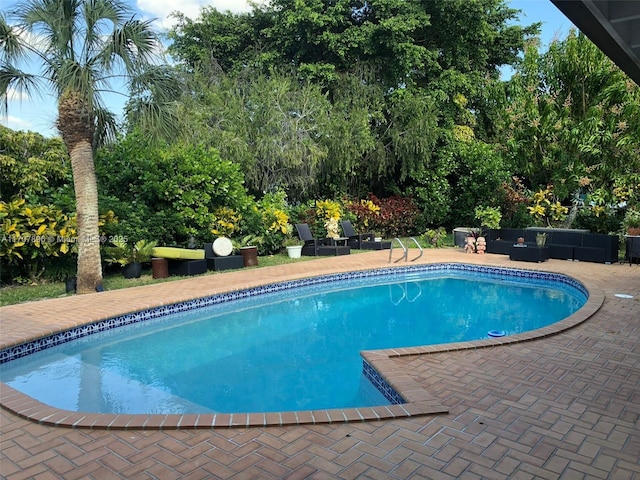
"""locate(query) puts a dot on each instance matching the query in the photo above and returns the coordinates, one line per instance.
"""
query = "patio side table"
(632, 251)
(529, 254)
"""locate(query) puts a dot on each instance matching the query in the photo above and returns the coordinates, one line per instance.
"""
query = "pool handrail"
(405, 250)
(419, 248)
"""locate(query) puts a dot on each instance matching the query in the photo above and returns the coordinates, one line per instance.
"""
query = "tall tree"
(86, 48)
(269, 125)
(403, 77)
(573, 121)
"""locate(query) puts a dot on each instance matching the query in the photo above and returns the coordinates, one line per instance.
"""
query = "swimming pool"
(403, 289)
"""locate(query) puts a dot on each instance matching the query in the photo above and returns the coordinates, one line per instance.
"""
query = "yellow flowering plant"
(226, 222)
(546, 209)
(280, 221)
(330, 212)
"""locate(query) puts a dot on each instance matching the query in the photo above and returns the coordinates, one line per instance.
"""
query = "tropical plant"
(292, 241)
(84, 48)
(435, 238)
(329, 212)
(398, 217)
(364, 213)
(631, 219)
(226, 222)
(573, 120)
(123, 253)
(545, 209)
(144, 250)
(32, 237)
(489, 217)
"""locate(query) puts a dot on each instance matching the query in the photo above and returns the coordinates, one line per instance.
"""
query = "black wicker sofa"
(563, 244)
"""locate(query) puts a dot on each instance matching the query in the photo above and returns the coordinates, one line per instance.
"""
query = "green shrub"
(489, 217)
(31, 236)
(399, 216)
(435, 238)
(169, 194)
(600, 223)
(34, 168)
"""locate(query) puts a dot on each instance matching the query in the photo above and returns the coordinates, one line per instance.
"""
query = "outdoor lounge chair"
(355, 239)
(311, 244)
(362, 241)
(182, 261)
(319, 246)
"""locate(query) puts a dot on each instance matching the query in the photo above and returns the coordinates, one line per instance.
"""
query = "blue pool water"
(292, 349)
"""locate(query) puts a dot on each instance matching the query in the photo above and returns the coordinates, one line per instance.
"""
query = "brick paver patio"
(566, 406)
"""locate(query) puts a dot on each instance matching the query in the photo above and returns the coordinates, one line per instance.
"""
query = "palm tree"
(86, 48)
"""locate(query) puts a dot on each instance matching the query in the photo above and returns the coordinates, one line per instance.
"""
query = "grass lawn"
(39, 291)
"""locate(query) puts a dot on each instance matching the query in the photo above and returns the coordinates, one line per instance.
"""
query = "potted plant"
(248, 247)
(631, 222)
(143, 250)
(541, 239)
(294, 247)
(130, 257)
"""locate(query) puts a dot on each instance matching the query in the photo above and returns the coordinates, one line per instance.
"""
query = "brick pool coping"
(418, 401)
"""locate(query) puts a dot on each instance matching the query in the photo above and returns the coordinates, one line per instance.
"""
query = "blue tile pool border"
(381, 384)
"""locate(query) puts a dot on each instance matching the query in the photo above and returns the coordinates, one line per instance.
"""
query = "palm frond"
(159, 81)
(17, 81)
(12, 49)
(106, 127)
(157, 120)
(135, 44)
(55, 23)
(87, 47)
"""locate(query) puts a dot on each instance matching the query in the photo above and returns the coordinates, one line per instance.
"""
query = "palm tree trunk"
(86, 190)
(75, 122)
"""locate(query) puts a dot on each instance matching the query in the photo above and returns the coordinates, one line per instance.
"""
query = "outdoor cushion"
(222, 247)
(176, 253)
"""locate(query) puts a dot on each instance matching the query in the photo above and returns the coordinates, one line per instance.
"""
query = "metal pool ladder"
(405, 250)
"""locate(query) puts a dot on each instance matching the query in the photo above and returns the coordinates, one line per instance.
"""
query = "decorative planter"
(249, 256)
(633, 231)
(132, 270)
(71, 285)
(159, 268)
(294, 251)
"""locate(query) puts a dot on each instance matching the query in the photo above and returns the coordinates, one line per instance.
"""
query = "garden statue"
(481, 245)
(470, 246)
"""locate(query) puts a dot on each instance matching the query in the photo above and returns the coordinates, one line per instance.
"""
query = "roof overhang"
(613, 25)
